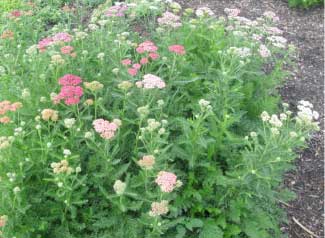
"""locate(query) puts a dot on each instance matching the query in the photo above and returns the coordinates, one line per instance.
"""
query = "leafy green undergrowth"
(305, 3)
(149, 121)
(7, 5)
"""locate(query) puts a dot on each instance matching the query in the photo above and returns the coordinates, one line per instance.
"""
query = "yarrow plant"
(148, 121)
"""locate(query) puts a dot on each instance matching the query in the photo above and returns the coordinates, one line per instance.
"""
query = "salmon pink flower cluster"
(68, 50)
(166, 181)
(7, 34)
(178, 49)
(105, 128)
(70, 91)
(3, 221)
(147, 162)
(6, 106)
(151, 81)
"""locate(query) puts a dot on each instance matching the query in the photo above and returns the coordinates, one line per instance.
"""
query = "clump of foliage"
(305, 3)
(149, 121)
(7, 5)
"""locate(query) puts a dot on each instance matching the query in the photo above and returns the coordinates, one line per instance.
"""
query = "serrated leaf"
(193, 223)
(211, 230)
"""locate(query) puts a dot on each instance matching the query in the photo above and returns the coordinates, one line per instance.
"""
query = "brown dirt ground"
(305, 29)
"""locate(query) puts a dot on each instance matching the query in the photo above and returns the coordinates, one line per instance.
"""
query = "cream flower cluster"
(61, 167)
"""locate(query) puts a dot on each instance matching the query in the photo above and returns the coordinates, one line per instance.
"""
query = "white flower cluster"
(242, 52)
(306, 115)
(119, 187)
(5, 141)
(143, 111)
(69, 122)
(274, 121)
(11, 176)
(205, 105)
(153, 125)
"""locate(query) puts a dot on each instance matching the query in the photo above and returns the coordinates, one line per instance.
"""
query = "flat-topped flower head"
(119, 187)
(62, 37)
(169, 19)
(105, 128)
(264, 51)
(44, 43)
(117, 11)
(178, 49)
(147, 46)
(67, 50)
(48, 41)
(70, 80)
(61, 167)
(147, 162)
(93, 86)
(70, 94)
(50, 115)
(159, 208)
(204, 11)
(166, 181)
(151, 81)
(126, 62)
(6, 106)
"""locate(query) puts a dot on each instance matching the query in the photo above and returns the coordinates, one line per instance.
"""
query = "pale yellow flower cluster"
(61, 167)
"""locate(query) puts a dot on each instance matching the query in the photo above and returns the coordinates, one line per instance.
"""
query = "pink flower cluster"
(151, 81)
(117, 11)
(169, 19)
(16, 13)
(48, 41)
(70, 91)
(166, 181)
(178, 49)
(105, 128)
(145, 47)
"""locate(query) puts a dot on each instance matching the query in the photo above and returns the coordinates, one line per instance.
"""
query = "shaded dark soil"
(305, 29)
